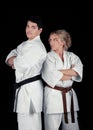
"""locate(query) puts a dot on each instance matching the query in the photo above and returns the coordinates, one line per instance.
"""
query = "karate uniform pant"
(53, 121)
(29, 121)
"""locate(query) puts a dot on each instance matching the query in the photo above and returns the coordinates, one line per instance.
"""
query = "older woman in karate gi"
(27, 60)
(60, 70)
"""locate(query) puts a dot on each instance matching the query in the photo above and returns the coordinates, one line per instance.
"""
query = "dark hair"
(37, 20)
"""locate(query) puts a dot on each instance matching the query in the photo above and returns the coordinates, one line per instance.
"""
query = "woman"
(60, 70)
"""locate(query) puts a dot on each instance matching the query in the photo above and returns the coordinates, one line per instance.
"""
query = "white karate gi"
(53, 102)
(30, 56)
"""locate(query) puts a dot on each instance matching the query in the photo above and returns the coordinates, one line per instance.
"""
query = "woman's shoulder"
(50, 56)
(70, 53)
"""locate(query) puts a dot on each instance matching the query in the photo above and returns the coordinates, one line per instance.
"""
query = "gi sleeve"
(29, 58)
(12, 53)
(78, 68)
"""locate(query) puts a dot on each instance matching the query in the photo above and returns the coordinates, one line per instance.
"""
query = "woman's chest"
(63, 64)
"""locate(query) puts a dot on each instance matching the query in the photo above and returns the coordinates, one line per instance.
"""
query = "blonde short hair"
(65, 36)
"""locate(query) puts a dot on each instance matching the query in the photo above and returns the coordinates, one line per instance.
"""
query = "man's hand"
(10, 61)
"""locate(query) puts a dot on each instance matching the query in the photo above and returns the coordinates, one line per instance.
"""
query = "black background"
(75, 21)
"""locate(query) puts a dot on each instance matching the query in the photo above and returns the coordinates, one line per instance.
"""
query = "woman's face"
(55, 42)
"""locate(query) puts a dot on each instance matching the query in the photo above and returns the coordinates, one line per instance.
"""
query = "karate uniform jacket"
(30, 56)
(53, 101)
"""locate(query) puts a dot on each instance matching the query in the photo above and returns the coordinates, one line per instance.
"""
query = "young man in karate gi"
(27, 60)
(61, 69)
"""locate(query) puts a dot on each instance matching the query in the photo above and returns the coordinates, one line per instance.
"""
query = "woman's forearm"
(69, 72)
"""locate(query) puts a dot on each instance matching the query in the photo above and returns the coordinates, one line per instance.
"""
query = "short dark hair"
(37, 20)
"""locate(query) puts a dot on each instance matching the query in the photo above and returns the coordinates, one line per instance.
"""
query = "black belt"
(32, 79)
(26, 81)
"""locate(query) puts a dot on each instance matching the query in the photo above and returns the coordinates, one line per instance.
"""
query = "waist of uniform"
(60, 88)
(23, 82)
(64, 91)
(28, 80)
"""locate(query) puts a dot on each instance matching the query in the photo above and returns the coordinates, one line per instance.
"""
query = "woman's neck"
(60, 53)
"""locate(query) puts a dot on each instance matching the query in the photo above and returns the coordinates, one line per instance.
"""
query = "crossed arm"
(10, 61)
(68, 73)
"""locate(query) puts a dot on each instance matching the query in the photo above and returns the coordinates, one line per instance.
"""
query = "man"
(27, 60)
